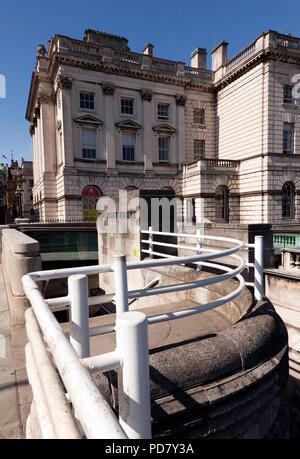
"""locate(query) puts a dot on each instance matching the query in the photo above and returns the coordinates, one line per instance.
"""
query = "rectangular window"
(287, 94)
(163, 149)
(127, 106)
(128, 147)
(288, 138)
(89, 143)
(87, 100)
(199, 149)
(199, 115)
(163, 111)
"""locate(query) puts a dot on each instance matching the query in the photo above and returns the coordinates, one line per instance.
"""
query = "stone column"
(147, 131)
(47, 132)
(180, 151)
(108, 91)
(65, 84)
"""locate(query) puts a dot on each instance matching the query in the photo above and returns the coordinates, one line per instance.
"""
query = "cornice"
(277, 54)
(58, 59)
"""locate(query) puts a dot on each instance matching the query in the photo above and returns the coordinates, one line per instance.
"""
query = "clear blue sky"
(174, 27)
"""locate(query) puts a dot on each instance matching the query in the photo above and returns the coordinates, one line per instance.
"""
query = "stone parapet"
(20, 255)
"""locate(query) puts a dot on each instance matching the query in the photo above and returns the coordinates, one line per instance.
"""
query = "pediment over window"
(129, 124)
(163, 127)
(88, 120)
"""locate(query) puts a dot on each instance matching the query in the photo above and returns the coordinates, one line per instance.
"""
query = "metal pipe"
(259, 268)
(150, 241)
(121, 295)
(95, 415)
(51, 386)
(42, 409)
(103, 362)
(79, 314)
(199, 245)
(134, 381)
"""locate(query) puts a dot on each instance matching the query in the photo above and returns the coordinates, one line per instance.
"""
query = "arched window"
(90, 196)
(222, 210)
(130, 188)
(288, 200)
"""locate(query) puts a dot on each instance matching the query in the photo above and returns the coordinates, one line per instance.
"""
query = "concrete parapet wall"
(20, 255)
(224, 385)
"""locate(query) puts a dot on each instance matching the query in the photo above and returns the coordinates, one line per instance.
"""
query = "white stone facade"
(208, 135)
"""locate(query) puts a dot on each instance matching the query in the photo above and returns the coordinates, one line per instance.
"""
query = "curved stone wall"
(227, 384)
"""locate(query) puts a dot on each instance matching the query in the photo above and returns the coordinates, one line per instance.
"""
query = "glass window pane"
(163, 111)
(89, 137)
(199, 115)
(127, 106)
(163, 148)
(128, 147)
(87, 100)
(288, 138)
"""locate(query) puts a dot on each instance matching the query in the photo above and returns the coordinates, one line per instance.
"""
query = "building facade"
(19, 197)
(104, 118)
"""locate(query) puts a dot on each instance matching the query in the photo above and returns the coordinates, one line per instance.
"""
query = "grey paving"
(10, 427)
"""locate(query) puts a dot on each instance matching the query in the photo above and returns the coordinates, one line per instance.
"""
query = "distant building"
(19, 183)
(2, 194)
(104, 118)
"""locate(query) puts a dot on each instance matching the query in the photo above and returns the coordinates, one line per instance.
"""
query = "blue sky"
(174, 27)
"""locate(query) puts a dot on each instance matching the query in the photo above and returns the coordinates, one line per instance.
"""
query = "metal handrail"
(71, 352)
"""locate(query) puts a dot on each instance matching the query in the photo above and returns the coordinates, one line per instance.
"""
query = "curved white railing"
(71, 352)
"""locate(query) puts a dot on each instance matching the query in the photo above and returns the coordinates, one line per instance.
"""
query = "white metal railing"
(71, 382)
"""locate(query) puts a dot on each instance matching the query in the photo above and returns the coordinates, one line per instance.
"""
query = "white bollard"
(134, 380)
(199, 245)
(121, 289)
(151, 241)
(259, 268)
(79, 314)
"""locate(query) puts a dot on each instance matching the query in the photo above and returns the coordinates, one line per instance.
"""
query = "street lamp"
(18, 193)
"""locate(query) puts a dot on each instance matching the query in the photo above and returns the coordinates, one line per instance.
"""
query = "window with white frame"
(199, 115)
(87, 100)
(128, 146)
(127, 106)
(199, 149)
(163, 111)
(163, 148)
(288, 138)
(88, 140)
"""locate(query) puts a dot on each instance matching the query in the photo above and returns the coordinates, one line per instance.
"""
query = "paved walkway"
(10, 413)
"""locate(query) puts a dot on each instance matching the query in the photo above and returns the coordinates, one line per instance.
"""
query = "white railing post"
(79, 314)
(150, 241)
(134, 380)
(259, 267)
(121, 289)
(199, 245)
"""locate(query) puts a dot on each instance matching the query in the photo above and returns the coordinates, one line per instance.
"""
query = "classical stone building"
(19, 177)
(104, 118)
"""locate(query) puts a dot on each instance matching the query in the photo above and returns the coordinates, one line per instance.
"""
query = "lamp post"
(18, 193)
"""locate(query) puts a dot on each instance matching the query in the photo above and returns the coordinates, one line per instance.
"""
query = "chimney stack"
(198, 58)
(148, 49)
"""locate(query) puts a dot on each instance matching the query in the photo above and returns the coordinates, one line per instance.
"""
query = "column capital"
(64, 82)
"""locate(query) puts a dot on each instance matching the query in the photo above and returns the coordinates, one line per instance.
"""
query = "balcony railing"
(221, 163)
(59, 366)
(199, 74)
(207, 162)
(288, 42)
(128, 58)
(240, 56)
